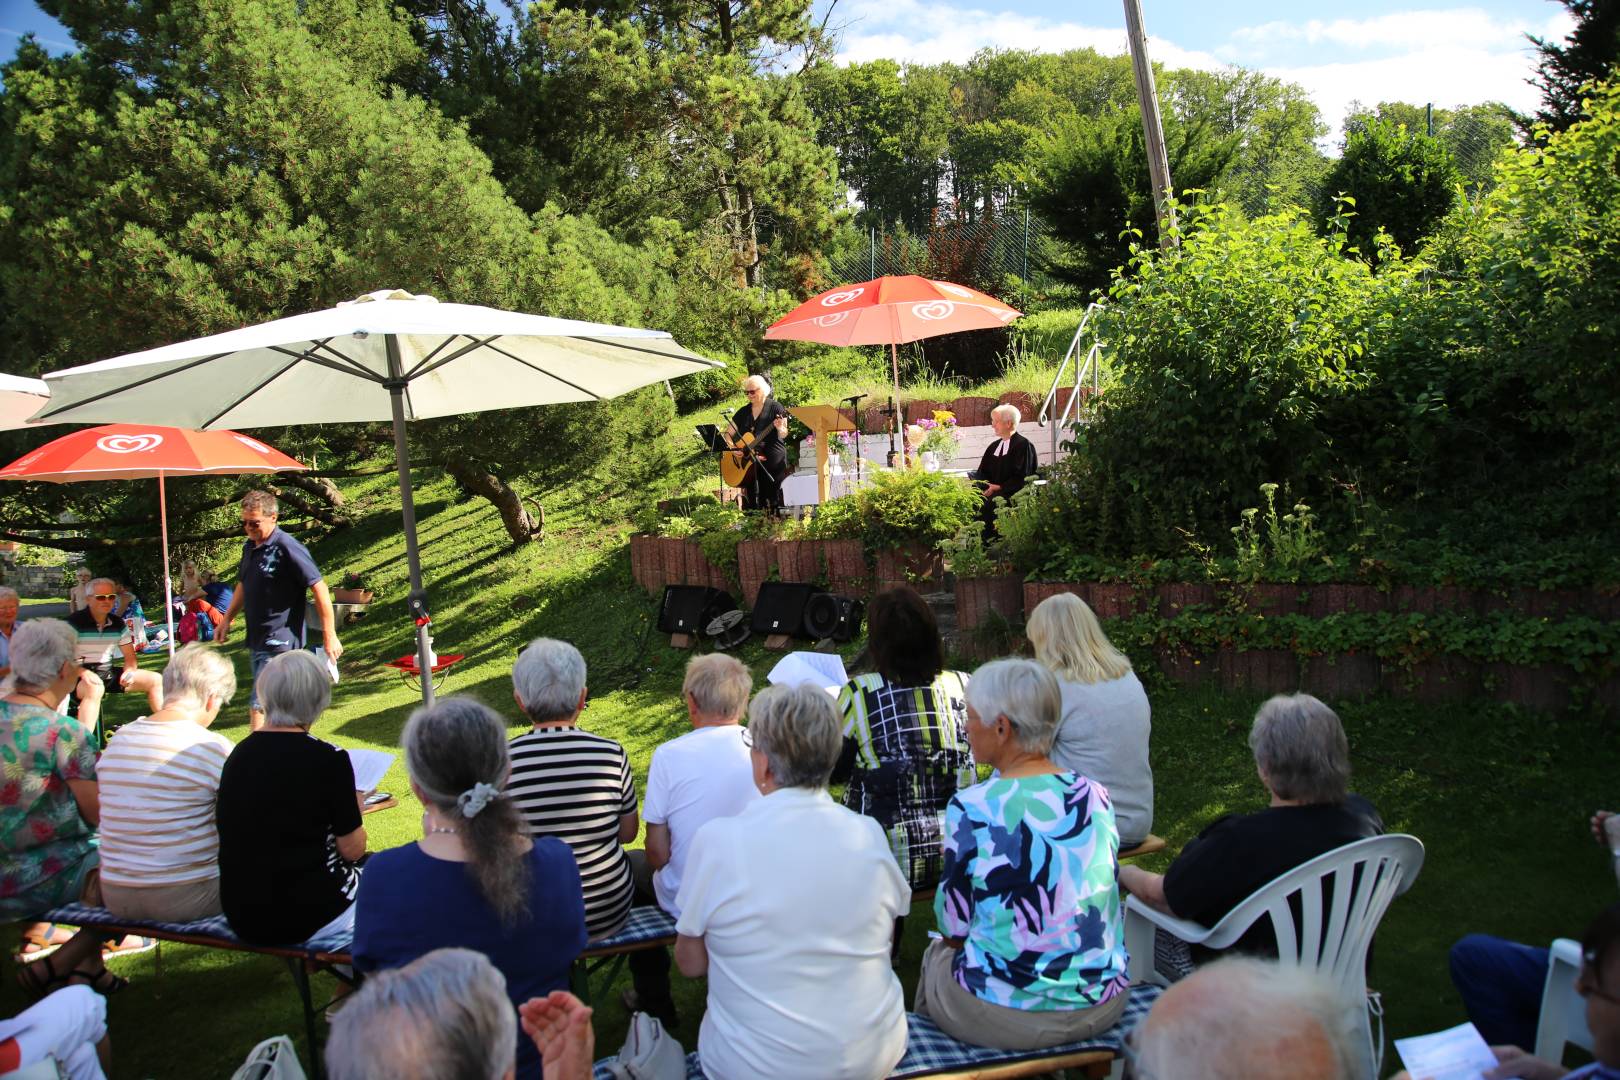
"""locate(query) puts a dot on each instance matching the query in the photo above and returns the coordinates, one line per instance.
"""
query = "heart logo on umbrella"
(1004, 314)
(253, 444)
(129, 444)
(934, 310)
(954, 290)
(844, 297)
(831, 320)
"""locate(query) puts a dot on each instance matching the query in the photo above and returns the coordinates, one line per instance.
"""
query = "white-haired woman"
(764, 423)
(1033, 953)
(788, 908)
(159, 782)
(1106, 718)
(476, 879)
(50, 805)
(289, 818)
(573, 784)
(1303, 759)
(1008, 462)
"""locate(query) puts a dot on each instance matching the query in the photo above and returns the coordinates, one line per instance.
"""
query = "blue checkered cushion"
(645, 924)
(214, 927)
(930, 1051)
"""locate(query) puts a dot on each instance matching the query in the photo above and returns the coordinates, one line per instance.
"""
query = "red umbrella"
(888, 311)
(143, 451)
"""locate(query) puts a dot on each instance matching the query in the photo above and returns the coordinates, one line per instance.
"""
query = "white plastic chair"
(1563, 1011)
(1366, 876)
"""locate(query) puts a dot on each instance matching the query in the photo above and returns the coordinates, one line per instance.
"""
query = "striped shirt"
(101, 647)
(576, 786)
(158, 784)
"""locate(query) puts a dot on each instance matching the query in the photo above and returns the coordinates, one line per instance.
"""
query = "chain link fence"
(985, 253)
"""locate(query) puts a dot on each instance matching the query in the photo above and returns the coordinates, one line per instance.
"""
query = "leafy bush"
(1397, 180)
(898, 507)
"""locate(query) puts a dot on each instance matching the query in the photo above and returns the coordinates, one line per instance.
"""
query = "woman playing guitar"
(759, 428)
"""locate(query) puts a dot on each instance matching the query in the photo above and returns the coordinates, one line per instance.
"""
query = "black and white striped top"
(576, 786)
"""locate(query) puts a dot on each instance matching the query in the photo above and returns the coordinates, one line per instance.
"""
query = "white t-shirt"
(702, 775)
(796, 899)
(158, 782)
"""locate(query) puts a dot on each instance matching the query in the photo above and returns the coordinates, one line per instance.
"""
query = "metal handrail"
(1092, 365)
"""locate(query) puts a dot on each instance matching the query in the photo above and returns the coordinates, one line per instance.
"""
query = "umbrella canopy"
(386, 355)
(888, 311)
(144, 451)
(20, 398)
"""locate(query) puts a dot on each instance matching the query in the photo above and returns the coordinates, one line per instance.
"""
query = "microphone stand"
(894, 423)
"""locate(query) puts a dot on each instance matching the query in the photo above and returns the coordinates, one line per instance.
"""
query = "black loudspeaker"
(687, 609)
(780, 608)
(836, 617)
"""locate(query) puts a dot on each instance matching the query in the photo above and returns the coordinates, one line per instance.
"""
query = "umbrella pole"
(899, 428)
(168, 586)
(396, 398)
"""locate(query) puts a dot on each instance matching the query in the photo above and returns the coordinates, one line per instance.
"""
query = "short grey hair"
(1007, 411)
(549, 676)
(8, 593)
(196, 672)
(1241, 1018)
(1026, 694)
(1299, 744)
(93, 582)
(261, 502)
(719, 684)
(764, 383)
(797, 729)
(445, 1014)
(39, 648)
(294, 689)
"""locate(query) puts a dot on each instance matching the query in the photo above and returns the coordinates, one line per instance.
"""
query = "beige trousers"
(977, 1022)
(162, 903)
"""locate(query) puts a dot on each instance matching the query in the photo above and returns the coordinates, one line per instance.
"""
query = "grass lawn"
(1499, 796)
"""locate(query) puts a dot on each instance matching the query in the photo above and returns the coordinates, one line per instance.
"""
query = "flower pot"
(351, 596)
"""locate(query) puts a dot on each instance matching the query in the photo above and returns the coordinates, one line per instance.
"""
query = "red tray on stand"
(410, 669)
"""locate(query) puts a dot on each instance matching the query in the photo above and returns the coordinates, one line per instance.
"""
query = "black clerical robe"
(1009, 470)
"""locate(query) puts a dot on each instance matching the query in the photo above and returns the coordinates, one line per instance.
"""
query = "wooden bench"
(647, 928)
(932, 1053)
(215, 933)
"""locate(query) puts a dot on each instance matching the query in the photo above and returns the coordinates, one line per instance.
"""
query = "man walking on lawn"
(275, 572)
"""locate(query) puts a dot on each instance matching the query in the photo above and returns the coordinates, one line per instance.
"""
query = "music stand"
(822, 420)
(712, 439)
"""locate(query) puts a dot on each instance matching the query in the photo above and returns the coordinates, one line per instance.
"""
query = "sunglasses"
(104, 596)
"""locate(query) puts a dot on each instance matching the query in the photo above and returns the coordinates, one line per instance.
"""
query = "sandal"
(128, 946)
(38, 988)
(38, 946)
(103, 982)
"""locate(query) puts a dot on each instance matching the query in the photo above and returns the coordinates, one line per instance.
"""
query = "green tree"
(1476, 136)
(1398, 180)
(1565, 70)
(1276, 164)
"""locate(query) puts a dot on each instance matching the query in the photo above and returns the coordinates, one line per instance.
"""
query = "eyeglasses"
(748, 738)
(104, 596)
(1587, 985)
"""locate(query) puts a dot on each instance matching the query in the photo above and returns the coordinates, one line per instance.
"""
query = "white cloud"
(1466, 27)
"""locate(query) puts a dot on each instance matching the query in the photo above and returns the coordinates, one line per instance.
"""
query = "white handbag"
(273, 1059)
(649, 1053)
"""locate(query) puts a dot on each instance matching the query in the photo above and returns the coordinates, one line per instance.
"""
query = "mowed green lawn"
(1498, 796)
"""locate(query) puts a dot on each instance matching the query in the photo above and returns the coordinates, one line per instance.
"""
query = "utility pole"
(1152, 126)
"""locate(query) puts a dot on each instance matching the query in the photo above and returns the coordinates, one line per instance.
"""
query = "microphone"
(854, 397)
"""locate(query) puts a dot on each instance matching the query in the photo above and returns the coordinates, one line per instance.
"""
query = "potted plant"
(940, 440)
(351, 590)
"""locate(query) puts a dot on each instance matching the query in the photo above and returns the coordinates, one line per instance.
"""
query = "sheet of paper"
(369, 767)
(331, 665)
(1457, 1053)
(825, 670)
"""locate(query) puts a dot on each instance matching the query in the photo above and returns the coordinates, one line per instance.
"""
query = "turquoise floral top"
(1030, 881)
(43, 840)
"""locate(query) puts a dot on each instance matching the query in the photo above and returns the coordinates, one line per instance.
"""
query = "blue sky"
(1373, 50)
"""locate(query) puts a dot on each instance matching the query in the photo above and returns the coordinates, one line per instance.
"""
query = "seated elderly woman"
(1303, 760)
(1106, 720)
(574, 784)
(48, 819)
(1008, 462)
(289, 818)
(905, 749)
(475, 880)
(1033, 953)
(159, 781)
(788, 908)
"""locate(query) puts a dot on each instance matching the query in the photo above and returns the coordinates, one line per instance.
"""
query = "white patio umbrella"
(386, 355)
(20, 398)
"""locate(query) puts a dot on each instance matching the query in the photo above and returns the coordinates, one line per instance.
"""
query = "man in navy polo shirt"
(275, 572)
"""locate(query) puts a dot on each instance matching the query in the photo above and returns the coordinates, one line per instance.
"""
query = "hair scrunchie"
(476, 798)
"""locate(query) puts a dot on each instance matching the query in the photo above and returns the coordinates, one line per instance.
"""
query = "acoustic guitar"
(735, 462)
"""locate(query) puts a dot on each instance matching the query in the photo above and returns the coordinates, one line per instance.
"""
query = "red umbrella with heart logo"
(889, 311)
(144, 451)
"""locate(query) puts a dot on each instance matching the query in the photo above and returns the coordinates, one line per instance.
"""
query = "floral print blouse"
(43, 839)
(1030, 881)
